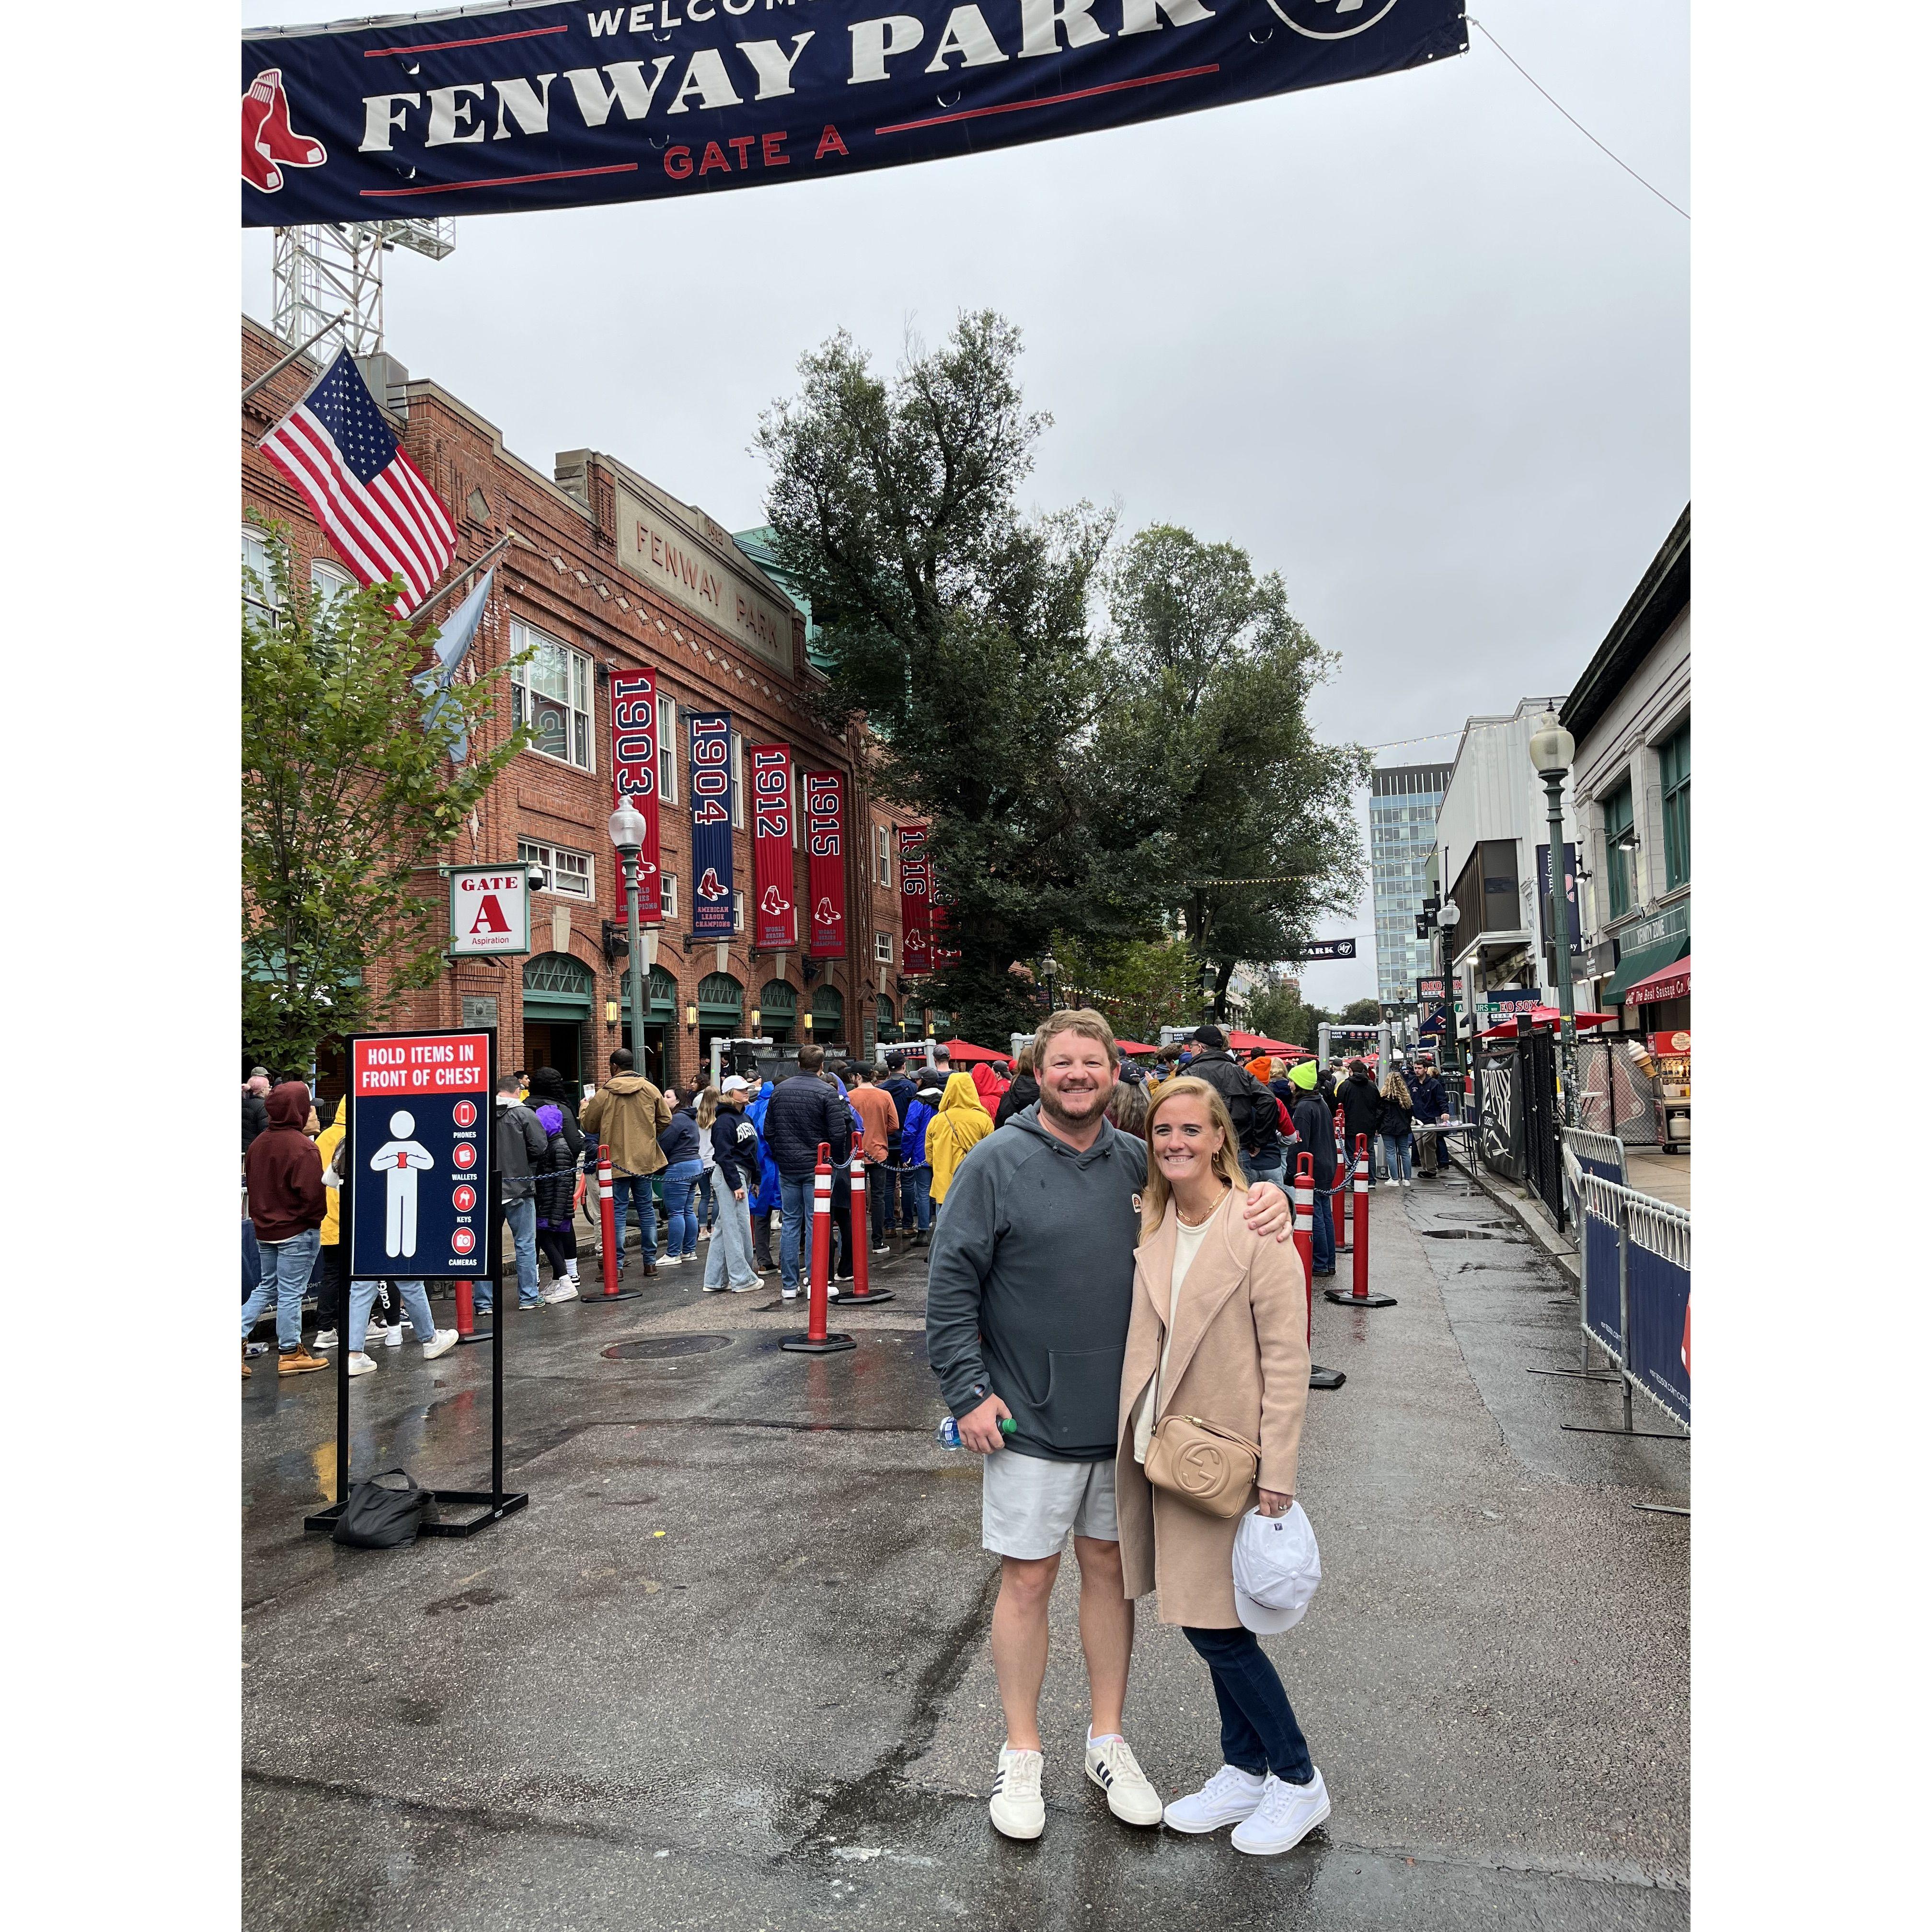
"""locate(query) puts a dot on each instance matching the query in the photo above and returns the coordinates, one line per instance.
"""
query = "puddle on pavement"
(664, 1348)
(1463, 1234)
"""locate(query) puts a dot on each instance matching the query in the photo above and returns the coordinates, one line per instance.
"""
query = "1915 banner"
(915, 902)
(711, 907)
(775, 921)
(485, 109)
(825, 854)
(634, 775)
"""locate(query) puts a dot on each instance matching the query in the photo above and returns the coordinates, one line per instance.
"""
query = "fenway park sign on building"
(483, 110)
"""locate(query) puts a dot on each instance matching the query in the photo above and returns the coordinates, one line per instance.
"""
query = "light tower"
(322, 272)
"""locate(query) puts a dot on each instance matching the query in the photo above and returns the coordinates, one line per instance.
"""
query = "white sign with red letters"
(489, 910)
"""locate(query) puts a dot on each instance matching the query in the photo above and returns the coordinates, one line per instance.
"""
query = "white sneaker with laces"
(394, 1338)
(1286, 1814)
(362, 1365)
(324, 1338)
(1017, 1809)
(565, 1290)
(446, 1338)
(1230, 1796)
(1112, 1764)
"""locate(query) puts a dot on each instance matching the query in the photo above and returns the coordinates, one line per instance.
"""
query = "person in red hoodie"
(286, 1203)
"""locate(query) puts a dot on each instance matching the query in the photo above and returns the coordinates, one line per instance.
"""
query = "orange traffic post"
(1359, 1297)
(815, 1341)
(606, 1224)
(1319, 1378)
(863, 1294)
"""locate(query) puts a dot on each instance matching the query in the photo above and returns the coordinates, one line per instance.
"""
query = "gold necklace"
(1207, 1217)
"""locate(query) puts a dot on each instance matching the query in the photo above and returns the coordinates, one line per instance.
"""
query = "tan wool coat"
(1240, 1360)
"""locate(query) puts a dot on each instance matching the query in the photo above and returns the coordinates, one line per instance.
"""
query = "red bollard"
(1338, 1199)
(863, 1294)
(466, 1310)
(1319, 1378)
(815, 1341)
(1359, 1296)
(606, 1222)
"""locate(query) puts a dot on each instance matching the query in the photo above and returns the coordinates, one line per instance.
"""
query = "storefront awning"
(1673, 982)
(1642, 963)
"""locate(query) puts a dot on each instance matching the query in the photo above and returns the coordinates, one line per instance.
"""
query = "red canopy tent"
(1546, 1016)
(962, 1050)
(1135, 1046)
(1253, 1042)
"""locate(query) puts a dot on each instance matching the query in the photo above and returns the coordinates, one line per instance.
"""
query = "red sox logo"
(708, 887)
(824, 915)
(774, 904)
(267, 138)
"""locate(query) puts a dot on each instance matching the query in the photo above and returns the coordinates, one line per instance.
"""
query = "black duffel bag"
(384, 1511)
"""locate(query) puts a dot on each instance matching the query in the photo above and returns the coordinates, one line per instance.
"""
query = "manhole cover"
(661, 1347)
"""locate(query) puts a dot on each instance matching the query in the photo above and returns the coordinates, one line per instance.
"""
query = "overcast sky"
(1413, 342)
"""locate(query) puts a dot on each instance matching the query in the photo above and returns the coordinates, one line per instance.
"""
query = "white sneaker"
(446, 1339)
(1286, 1814)
(1131, 1799)
(787, 1295)
(747, 1288)
(1230, 1796)
(883, 1248)
(362, 1365)
(1391, 1184)
(394, 1338)
(325, 1338)
(565, 1290)
(1017, 1809)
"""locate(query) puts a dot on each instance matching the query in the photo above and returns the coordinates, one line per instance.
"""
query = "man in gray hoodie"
(1028, 1295)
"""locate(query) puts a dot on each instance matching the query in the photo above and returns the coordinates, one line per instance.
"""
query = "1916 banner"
(711, 907)
(775, 922)
(915, 900)
(825, 855)
(634, 775)
(485, 109)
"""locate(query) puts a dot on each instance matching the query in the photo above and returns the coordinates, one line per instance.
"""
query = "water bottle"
(949, 1432)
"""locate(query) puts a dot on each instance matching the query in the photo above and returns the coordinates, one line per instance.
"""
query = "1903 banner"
(482, 110)
(712, 907)
(774, 919)
(634, 775)
(825, 854)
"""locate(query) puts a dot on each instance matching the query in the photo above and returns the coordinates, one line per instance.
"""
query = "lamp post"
(1207, 992)
(1049, 967)
(1552, 751)
(627, 834)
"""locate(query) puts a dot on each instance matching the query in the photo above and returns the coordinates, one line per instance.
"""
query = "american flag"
(335, 447)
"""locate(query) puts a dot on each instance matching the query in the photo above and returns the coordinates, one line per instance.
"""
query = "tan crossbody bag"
(1209, 1468)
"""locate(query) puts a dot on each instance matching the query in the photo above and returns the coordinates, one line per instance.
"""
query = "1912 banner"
(485, 109)
(711, 906)
(915, 901)
(825, 855)
(634, 775)
(775, 920)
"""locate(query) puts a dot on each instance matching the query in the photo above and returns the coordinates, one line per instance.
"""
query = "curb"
(1559, 1248)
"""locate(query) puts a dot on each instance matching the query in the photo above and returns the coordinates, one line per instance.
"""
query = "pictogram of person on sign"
(402, 1159)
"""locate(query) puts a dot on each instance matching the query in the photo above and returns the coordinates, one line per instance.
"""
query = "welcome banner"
(485, 110)
(825, 854)
(775, 922)
(634, 769)
(915, 899)
(711, 907)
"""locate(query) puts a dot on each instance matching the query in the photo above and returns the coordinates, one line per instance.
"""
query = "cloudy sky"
(1413, 342)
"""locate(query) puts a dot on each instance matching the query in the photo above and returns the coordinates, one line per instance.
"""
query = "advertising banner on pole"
(422, 1114)
(634, 769)
(711, 916)
(775, 919)
(915, 900)
(825, 855)
(486, 110)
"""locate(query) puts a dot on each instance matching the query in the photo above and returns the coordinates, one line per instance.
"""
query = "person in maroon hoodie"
(286, 1203)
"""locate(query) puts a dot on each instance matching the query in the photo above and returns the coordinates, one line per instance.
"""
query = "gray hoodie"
(1031, 1282)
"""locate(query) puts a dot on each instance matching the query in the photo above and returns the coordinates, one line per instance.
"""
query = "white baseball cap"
(734, 1083)
(1276, 1567)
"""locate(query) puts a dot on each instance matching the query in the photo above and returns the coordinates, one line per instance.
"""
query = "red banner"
(915, 899)
(634, 775)
(825, 850)
(775, 923)
(942, 955)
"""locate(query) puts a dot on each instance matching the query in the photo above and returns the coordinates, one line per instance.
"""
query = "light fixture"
(1551, 749)
(691, 1015)
(755, 1016)
(1448, 913)
(627, 826)
(804, 1021)
(610, 1013)
(1050, 967)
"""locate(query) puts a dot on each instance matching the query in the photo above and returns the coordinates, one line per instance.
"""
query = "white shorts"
(1028, 1505)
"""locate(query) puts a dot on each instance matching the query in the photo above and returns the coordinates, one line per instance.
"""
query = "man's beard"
(1050, 1104)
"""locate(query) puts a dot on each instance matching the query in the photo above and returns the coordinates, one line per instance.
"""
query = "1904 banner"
(711, 907)
(481, 110)
(774, 919)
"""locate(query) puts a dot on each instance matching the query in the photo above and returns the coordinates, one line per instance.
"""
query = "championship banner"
(825, 854)
(486, 110)
(711, 912)
(634, 770)
(915, 901)
(775, 923)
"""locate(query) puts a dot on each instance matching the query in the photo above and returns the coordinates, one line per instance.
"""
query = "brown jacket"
(1240, 1359)
(628, 1114)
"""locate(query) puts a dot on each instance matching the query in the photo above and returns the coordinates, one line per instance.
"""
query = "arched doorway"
(778, 1011)
(828, 1017)
(720, 1015)
(559, 1001)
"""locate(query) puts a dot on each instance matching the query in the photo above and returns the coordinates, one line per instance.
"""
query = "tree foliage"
(1140, 985)
(346, 791)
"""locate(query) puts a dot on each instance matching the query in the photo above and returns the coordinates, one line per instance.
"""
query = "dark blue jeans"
(1258, 1733)
(1324, 1231)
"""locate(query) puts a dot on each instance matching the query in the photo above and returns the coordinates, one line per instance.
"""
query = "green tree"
(347, 795)
(1277, 1011)
(1362, 1012)
(1140, 985)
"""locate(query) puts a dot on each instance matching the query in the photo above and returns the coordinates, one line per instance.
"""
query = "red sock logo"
(267, 137)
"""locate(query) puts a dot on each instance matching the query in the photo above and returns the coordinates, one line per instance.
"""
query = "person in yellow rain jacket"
(962, 1123)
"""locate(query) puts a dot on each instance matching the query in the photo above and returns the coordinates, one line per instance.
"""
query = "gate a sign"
(489, 910)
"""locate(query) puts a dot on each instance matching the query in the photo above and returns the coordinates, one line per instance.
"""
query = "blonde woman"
(960, 1124)
(1395, 1123)
(1219, 1333)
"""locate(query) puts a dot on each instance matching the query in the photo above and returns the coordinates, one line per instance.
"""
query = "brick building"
(617, 576)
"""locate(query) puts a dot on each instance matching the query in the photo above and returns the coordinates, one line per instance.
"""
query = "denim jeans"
(915, 1185)
(251, 1260)
(878, 1199)
(1396, 1149)
(1276, 1171)
(1258, 1733)
(521, 1216)
(708, 1192)
(795, 1209)
(415, 1306)
(1323, 1259)
(728, 1264)
(285, 1272)
(626, 1188)
(680, 1185)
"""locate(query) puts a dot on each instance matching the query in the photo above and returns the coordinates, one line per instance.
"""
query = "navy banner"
(711, 904)
(487, 109)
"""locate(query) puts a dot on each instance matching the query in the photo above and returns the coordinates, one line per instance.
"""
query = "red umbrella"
(1253, 1042)
(1135, 1046)
(964, 1049)
(1546, 1016)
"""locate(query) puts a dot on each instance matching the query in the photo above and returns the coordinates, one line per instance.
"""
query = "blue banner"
(711, 902)
(489, 109)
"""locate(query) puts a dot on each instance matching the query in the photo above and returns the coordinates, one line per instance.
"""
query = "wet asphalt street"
(729, 1669)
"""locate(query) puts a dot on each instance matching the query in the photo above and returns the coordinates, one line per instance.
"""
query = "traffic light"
(617, 940)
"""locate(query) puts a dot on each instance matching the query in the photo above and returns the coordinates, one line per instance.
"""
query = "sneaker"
(883, 1248)
(1112, 1764)
(527, 1307)
(393, 1336)
(1391, 1184)
(565, 1290)
(669, 1261)
(446, 1339)
(1016, 1810)
(297, 1361)
(709, 1289)
(362, 1365)
(787, 1295)
(325, 1338)
(1285, 1816)
(1229, 1796)
(747, 1287)
(832, 1290)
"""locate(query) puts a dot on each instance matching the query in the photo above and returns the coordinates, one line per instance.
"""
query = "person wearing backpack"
(519, 1147)
(1252, 1108)
(728, 1268)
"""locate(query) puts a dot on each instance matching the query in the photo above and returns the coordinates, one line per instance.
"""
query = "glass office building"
(1403, 801)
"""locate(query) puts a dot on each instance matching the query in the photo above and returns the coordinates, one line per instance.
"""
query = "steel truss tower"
(323, 272)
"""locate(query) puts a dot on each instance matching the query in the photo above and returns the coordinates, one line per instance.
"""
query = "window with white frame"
(258, 554)
(737, 912)
(737, 782)
(882, 853)
(551, 693)
(566, 873)
(667, 750)
(882, 948)
(668, 896)
(329, 583)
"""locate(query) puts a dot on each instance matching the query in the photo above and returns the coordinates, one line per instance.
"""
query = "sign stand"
(493, 1503)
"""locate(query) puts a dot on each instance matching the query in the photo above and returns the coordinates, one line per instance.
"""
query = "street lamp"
(628, 829)
(1207, 992)
(1049, 967)
(1552, 751)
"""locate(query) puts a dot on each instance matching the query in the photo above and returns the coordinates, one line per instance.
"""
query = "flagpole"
(262, 381)
(470, 568)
